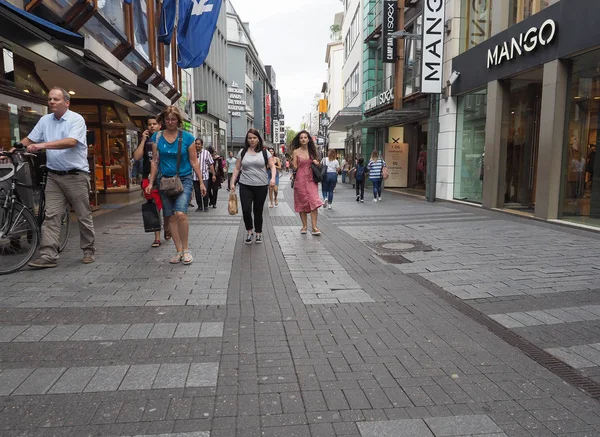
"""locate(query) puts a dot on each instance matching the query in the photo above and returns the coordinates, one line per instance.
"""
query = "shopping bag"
(233, 203)
(151, 217)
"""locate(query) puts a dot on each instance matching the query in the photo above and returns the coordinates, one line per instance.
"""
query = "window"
(351, 87)
(351, 35)
(412, 58)
(522, 9)
(140, 28)
(477, 25)
(113, 12)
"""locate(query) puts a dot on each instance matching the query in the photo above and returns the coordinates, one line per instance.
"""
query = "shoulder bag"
(316, 172)
(384, 170)
(324, 168)
(172, 186)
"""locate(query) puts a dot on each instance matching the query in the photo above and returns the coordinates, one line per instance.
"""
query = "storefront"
(527, 115)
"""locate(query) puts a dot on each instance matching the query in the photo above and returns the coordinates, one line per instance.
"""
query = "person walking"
(375, 167)
(345, 168)
(360, 176)
(62, 134)
(207, 168)
(143, 153)
(216, 177)
(168, 145)
(273, 191)
(330, 179)
(230, 167)
(251, 165)
(306, 190)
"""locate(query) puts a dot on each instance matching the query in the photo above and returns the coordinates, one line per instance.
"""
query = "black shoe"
(248, 239)
(214, 206)
(357, 198)
(258, 239)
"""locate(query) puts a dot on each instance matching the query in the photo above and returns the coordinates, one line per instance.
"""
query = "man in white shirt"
(62, 134)
(206, 163)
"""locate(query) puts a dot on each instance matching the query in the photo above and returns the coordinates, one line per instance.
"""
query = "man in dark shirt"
(144, 152)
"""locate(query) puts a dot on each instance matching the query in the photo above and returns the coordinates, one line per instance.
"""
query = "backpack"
(360, 172)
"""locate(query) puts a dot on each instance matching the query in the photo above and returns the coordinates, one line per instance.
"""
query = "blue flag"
(167, 21)
(196, 27)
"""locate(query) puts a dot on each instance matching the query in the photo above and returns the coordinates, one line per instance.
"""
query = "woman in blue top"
(164, 162)
(375, 167)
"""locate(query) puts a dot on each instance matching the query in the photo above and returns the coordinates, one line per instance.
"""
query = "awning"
(392, 118)
(14, 20)
(345, 117)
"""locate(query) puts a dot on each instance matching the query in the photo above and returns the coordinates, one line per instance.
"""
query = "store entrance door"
(522, 124)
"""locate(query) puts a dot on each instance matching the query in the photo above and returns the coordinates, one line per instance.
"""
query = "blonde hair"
(170, 110)
(332, 154)
(374, 155)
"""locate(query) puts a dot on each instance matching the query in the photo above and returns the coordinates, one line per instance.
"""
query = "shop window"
(470, 144)
(89, 113)
(17, 118)
(413, 49)
(477, 25)
(109, 115)
(522, 9)
(168, 65)
(95, 28)
(140, 28)
(581, 184)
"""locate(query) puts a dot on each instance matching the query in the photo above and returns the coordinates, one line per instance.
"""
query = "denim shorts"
(276, 176)
(178, 203)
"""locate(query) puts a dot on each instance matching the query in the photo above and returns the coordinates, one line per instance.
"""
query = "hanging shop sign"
(236, 104)
(524, 43)
(382, 99)
(201, 107)
(268, 114)
(433, 46)
(390, 20)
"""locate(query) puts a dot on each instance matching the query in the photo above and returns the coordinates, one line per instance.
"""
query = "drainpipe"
(432, 147)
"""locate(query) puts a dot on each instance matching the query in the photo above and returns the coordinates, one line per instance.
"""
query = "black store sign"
(390, 19)
(559, 31)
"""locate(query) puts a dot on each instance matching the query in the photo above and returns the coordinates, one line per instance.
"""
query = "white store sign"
(433, 46)
(236, 103)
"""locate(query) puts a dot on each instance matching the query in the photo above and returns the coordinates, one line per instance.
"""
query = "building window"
(470, 144)
(477, 25)
(523, 9)
(581, 184)
(140, 26)
(413, 49)
(351, 86)
(351, 35)
(112, 11)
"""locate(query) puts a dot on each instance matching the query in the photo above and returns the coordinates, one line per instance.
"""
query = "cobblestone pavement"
(353, 333)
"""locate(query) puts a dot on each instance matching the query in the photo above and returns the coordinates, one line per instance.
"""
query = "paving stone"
(211, 329)
(74, 380)
(462, 425)
(138, 331)
(139, 377)
(40, 381)
(163, 330)
(187, 330)
(202, 375)
(61, 333)
(10, 379)
(171, 376)
(395, 428)
(34, 333)
(107, 379)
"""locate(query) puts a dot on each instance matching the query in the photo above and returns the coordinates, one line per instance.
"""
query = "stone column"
(495, 148)
(551, 139)
(500, 16)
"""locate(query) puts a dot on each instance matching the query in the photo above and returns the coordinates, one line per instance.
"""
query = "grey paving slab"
(462, 425)
(163, 330)
(570, 357)
(61, 333)
(107, 378)
(10, 379)
(202, 375)
(34, 333)
(535, 318)
(138, 331)
(74, 380)
(178, 434)
(139, 377)
(9, 333)
(171, 376)
(395, 428)
(187, 330)
(40, 381)
(211, 329)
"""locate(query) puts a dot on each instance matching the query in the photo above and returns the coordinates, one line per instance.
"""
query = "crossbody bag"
(172, 186)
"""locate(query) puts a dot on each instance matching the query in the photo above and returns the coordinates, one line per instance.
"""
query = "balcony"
(379, 87)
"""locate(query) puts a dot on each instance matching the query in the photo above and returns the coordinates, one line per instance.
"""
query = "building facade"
(106, 54)
(210, 88)
(250, 87)
(334, 88)
(528, 103)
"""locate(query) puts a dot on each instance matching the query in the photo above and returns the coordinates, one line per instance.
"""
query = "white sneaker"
(374, 200)
(362, 200)
(329, 206)
(325, 201)
(379, 199)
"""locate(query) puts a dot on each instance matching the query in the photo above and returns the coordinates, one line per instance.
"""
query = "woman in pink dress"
(306, 193)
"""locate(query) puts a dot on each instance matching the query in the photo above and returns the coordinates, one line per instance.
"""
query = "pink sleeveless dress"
(306, 191)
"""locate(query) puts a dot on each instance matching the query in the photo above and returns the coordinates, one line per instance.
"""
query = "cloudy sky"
(292, 36)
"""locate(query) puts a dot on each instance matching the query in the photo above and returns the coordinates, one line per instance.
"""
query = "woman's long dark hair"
(256, 133)
(312, 149)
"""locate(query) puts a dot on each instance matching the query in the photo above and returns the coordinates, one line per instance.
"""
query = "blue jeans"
(328, 185)
(178, 203)
(376, 187)
(344, 174)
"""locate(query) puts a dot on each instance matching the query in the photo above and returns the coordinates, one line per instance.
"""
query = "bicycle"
(20, 225)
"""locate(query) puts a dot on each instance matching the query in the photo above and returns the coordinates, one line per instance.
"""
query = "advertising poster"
(396, 158)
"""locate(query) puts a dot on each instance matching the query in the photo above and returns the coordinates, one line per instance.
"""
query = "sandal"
(316, 232)
(167, 234)
(187, 258)
(156, 243)
(303, 231)
(177, 258)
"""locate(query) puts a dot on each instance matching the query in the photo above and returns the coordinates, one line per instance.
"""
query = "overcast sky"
(292, 36)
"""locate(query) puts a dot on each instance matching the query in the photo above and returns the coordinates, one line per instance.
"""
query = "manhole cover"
(398, 246)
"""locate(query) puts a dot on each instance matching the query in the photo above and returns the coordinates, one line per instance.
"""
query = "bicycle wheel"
(65, 225)
(19, 239)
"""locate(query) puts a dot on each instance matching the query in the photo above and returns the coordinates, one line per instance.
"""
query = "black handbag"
(151, 217)
(316, 171)
(323, 168)
(172, 186)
